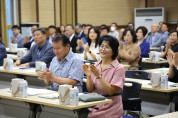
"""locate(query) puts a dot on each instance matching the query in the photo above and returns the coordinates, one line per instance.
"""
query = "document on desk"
(33, 91)
(50, 96)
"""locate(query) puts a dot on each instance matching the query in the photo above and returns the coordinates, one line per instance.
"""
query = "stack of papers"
(33, 91)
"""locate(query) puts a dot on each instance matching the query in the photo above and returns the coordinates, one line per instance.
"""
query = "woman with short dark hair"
(91, 50)
(129, 53)
(107, 77)
(144, 45)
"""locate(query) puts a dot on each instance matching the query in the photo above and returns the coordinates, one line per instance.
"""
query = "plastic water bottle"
(21, 93)
(25, 89)
(72, 96)
(76, 98)
(164, 81)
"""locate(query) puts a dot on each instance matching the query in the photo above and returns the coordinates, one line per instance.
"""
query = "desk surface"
(28, 72)
(169, 115)
(51, 102)
(146, 60)
(161, 70)
(146, 86)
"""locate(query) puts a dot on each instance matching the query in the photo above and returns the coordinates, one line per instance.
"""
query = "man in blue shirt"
(2, 52)
(41, 51)
(18, 38)
(65, 67)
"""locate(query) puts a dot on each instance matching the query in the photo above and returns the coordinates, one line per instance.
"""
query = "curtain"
(4, 22)
(68, 12)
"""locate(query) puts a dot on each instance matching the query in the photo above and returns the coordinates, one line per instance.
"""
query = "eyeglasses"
(104, 47)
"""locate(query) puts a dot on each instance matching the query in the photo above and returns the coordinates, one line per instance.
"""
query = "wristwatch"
(90, 52)
(99, 77)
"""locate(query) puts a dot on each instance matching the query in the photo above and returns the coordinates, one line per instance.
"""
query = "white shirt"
(71, 37)
(50, 38)
(94, 51)
(114, 34)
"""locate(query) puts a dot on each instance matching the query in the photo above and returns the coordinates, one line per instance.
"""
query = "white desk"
(13, 56)
(10, 52)
(169, 115)
(146, 63)
(50, 107)
(155, 101)
(161, 70)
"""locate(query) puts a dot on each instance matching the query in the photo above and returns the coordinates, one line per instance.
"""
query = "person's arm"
(171, 65)
(158, 42)
(93, 56)
(27, 58)
(134, 54)
(146, 50)
(2, 53)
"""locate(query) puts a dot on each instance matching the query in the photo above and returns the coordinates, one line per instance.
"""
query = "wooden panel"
(28, 11)
(170, 6)
(57, 13)
(99, 12)
(46, 12)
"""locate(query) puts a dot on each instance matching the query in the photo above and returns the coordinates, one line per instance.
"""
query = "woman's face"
(173, 37)
(105, 50)
(139, 34)
(92, 34)
(128, 37)
(62, 28)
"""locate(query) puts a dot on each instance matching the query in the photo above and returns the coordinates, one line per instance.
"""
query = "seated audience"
(177, 28)
(129, 53)
(79, 31)
(29, 40)
(83, 26)
(172, 43)
(144, 45)
(114, 31)
(104, 30)
(41, 51)
(131, 25)
(52, 33)
(62, 29)
(155, 38)
(107, 78)
(164, 32)
(81, 42)
(91, 50)
(65, 67)
(2, 51)
(69, 31)
(17, 38)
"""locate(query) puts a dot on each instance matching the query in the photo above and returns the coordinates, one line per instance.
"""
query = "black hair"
(96, 30)
(15, 27)
(114, 24)
(89, 25)
(164, 24)
(132, 33)
(78, 26)
(40, 29)
(52, 26)
(60, 37)
(83, 25)
(105, 27)
(132, 24)
(113, 43)
(70, 25)
(173, 32)
(144, 30)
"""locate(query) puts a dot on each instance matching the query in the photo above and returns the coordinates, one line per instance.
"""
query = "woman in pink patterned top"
(107, 77)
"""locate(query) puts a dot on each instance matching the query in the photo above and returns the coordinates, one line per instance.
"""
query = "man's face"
(113, 25)
(52, 31)
(33, 28)
(39, 38)
(154, 28)
(69, 31)
(86, 30)
(78, 30)
(15, 31)
(164, 28)
(104, 32)
(60, 50)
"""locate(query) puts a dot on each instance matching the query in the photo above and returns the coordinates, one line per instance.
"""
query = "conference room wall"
(99, 12)
(171, 7)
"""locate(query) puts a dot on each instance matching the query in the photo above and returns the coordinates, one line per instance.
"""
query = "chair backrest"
(137, 74)
(131, 91)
